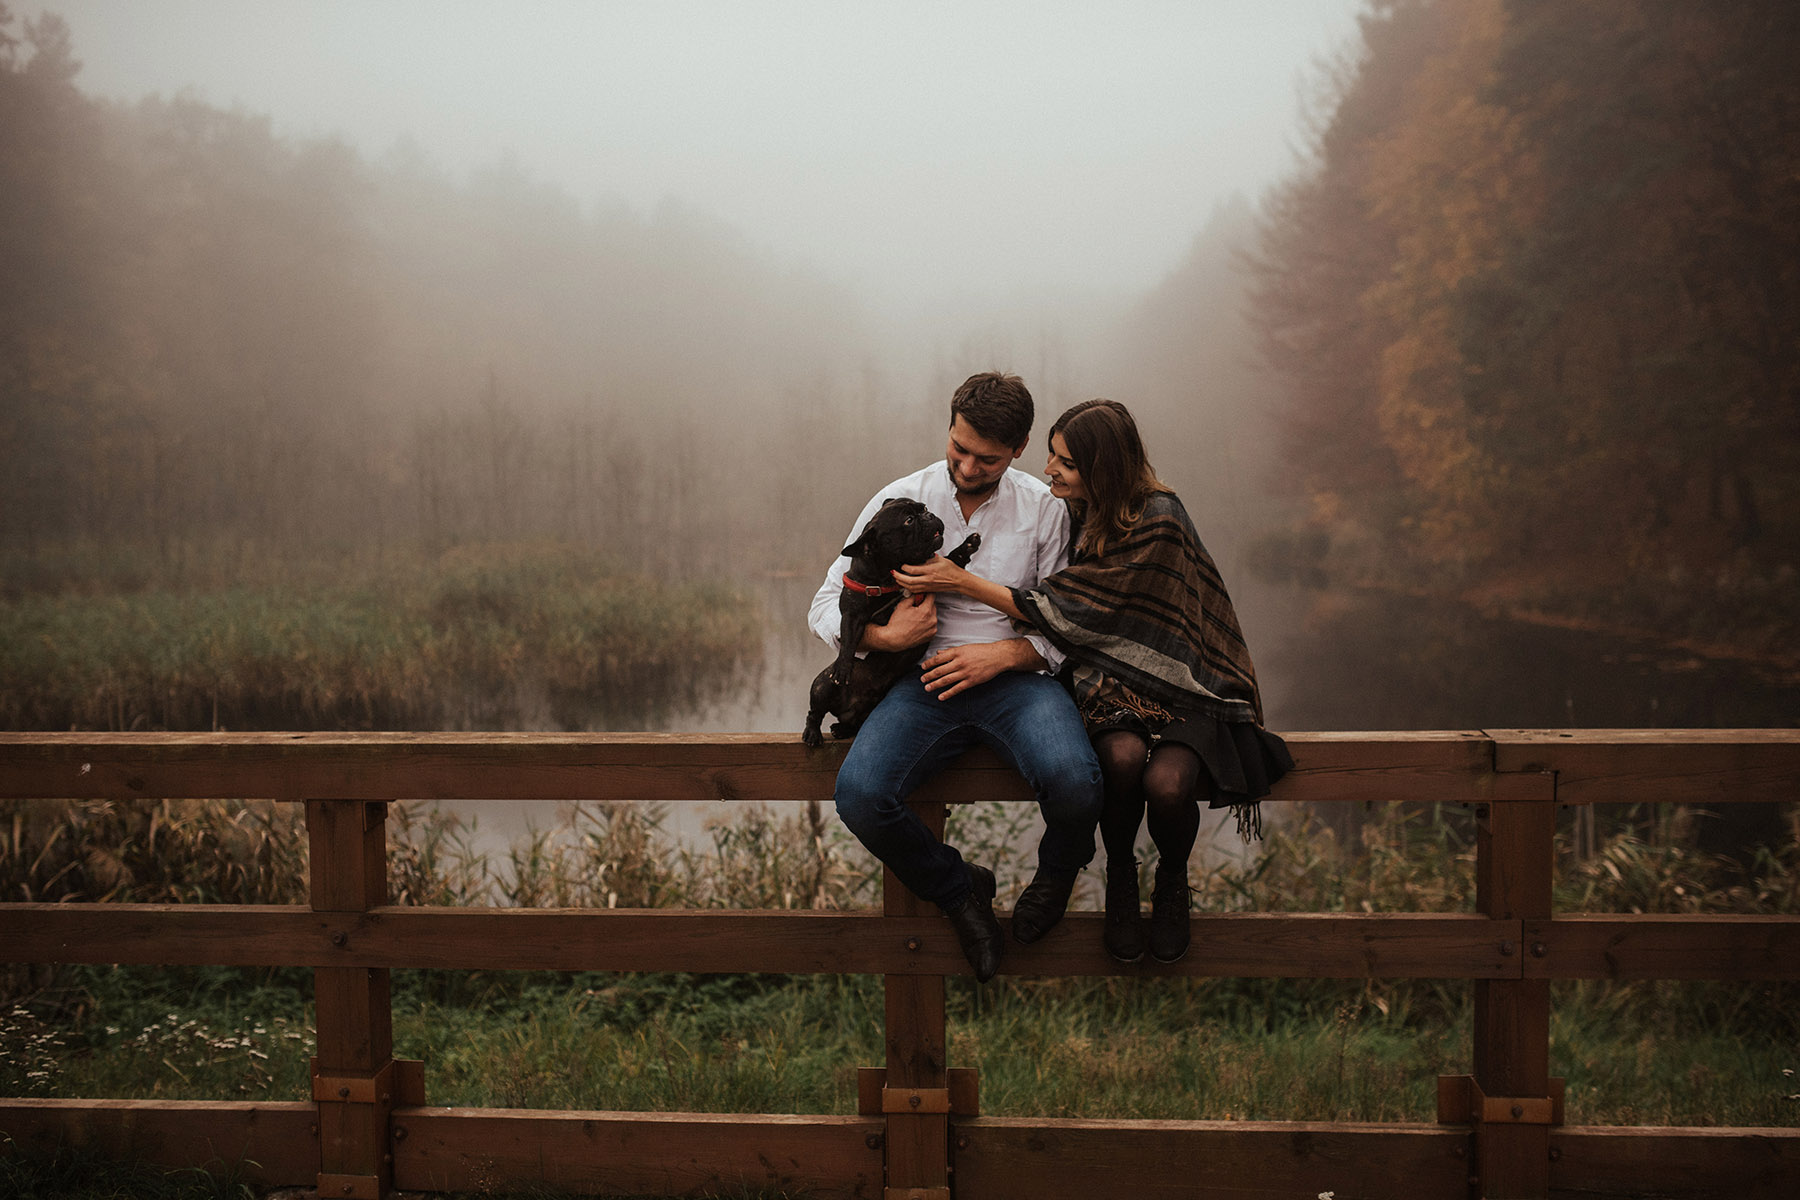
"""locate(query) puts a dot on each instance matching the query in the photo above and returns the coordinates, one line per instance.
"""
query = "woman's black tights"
(1164, 781)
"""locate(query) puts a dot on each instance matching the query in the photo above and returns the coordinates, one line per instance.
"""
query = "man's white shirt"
(1024, 537)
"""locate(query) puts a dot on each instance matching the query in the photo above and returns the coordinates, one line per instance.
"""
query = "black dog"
(901, 532)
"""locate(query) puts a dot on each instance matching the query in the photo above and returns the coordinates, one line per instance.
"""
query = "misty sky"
(914, 152)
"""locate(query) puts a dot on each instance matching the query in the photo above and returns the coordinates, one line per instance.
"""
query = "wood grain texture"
(259, 1142)
(1021, 1158)
(1663, 947)
(1454, 766)
(1628, 766)
(916, 1145)
(662, 1154)
(1515, 858)
(1262, 945)
(1589, 1163)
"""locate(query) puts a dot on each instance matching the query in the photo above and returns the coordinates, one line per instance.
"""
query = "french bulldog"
(900, 532)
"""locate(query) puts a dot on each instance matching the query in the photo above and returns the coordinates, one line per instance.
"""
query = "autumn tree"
(1533, 301)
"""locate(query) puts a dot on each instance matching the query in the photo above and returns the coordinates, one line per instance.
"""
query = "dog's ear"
(861, 544)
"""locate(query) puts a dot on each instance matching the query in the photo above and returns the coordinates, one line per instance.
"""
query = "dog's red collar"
(872, 589)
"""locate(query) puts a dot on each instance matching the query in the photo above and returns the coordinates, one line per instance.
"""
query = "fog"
(1451, 322)
(932, 158)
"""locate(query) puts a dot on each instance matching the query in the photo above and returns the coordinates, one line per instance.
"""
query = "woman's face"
(1065, 480)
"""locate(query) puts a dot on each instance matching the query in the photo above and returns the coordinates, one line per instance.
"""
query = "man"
(979, 682)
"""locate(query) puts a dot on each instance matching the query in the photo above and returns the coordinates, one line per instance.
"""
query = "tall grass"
(1679, 1053)
(478, 638)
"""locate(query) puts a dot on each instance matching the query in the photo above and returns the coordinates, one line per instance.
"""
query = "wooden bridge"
(368, 1128)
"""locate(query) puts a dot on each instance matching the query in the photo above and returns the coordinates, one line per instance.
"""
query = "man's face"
(976, 462)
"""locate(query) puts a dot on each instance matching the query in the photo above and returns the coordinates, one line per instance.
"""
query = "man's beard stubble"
(969, 491)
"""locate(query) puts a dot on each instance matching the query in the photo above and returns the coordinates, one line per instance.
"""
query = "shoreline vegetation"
(547, 635)
(477, 637)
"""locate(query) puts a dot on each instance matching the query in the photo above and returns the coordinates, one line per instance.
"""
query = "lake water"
(1366, 661)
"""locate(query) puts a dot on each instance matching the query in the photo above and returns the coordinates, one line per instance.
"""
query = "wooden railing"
(368, 1129)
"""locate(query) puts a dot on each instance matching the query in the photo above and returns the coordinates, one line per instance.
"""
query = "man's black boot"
(1123, 935)
(976, 929)
(1042, 904)
(1169, 913)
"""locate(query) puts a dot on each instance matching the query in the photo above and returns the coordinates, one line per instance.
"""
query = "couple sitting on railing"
(1093, 647)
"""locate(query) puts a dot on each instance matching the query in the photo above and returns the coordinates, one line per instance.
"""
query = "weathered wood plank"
(630, 766)
(258, 1142)
(533, 766)
(662, 1154)
(1263, 945)
(269, 1143)
(1024, 1158)
(1629, 766)
(1663, 947)
(1294, 945)
(1514, 859)
(917, 1144)
(1602, 1163)
(351, 1004)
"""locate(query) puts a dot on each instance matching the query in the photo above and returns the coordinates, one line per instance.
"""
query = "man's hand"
(962, 667)
(913, 623)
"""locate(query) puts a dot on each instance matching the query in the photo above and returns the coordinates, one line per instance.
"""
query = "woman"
(1155, 659)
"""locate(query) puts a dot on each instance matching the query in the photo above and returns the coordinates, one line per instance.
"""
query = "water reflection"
(1380, 661)
(1366, 661)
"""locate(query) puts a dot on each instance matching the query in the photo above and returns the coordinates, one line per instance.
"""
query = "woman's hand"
(938, 575)
(942, 575)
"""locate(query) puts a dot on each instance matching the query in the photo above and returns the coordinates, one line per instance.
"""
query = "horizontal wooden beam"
(1452, 766)
(1266, 945)
(1293, 946)
(470, 1149)
(1663, 947)
(1026, 1158)
(1591, 766)
(1675, 1163)
(259, 1142)
(661, 1154)
(1630, 766)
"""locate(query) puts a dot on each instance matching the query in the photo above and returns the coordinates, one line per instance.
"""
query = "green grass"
(1657, 1053)
(1165, 1049)
(1204, 1048)
(65, 1173)
(477, 638)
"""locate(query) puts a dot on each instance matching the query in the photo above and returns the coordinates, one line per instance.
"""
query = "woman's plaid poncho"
(1153, 614)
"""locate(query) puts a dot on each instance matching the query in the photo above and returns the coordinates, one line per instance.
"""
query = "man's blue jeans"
(1026, 717)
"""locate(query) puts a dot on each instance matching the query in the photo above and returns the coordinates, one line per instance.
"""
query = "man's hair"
(996, 406)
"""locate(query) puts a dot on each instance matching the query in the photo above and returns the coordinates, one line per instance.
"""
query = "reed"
(477, 638)
(1287, 1049)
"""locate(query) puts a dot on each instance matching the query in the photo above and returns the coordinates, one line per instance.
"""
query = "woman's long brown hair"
(1103, 441)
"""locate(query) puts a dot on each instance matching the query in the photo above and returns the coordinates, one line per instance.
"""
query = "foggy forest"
(1512, 356)
(1484, 396)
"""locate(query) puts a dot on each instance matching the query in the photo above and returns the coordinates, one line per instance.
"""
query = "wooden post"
(354, 1073)
(917, 1143)
(1514, 861)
